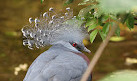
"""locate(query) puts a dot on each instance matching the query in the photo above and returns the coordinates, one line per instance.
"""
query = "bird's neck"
(72, 49)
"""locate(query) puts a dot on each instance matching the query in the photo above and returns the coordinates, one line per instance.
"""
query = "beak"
(86, 50)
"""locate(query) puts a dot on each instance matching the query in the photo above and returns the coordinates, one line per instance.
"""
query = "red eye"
(74, 44)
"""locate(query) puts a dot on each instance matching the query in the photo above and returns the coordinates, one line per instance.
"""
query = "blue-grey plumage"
(63, 61)
(59, 63)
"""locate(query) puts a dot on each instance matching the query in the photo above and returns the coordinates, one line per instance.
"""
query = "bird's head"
(73, 46)
(80, 47)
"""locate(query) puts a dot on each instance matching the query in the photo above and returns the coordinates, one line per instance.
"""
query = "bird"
(64, 60)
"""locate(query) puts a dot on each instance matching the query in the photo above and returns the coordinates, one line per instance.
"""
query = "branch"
(98, 54)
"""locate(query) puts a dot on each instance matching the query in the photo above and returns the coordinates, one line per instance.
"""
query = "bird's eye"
(74, 44)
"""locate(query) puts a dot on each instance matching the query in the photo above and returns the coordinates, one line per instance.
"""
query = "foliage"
(41, 1)
(100, 15)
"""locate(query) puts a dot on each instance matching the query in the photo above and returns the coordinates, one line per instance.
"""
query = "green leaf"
(91, 22)
(102, 19)
(123, 17)
(103, 36)
(42, 1)
(130, 21)
(105, 17)
(93, 35)
(106, 28)
(68, 2)
(103, 33)
(92, 27)
(117, 31)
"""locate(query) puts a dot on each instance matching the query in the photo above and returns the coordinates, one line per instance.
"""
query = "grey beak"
(86, 50)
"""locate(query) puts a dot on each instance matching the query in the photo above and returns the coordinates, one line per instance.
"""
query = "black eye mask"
(78, 47)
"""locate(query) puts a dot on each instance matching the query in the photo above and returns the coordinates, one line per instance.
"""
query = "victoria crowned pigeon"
(64, 61)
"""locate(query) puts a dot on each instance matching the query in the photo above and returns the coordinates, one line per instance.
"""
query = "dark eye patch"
(74, 44)
(78, 47)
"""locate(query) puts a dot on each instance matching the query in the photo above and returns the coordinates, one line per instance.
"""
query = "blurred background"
(120, 54)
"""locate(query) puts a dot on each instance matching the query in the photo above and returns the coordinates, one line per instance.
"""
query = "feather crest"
(51, 28)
